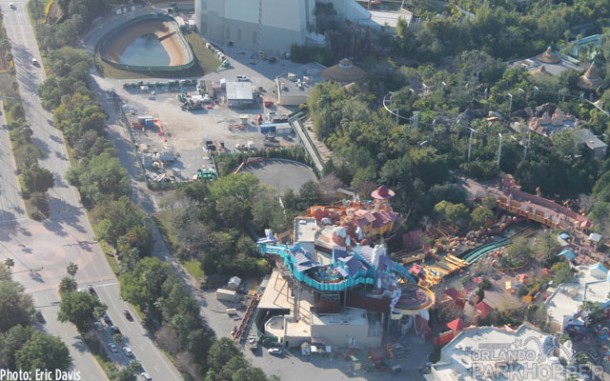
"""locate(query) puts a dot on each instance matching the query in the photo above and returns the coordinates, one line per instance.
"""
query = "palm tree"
(67, 284)
(72, 268)
(9, 263)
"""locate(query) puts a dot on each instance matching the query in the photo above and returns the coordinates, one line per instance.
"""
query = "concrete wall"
(340, 335)
(283, 22)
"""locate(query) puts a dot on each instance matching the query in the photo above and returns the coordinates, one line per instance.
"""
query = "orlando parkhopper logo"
(532, 359)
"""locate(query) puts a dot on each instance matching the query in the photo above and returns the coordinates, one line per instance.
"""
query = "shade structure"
(590, 80)
(549, 56)
(382, 193)
(456, 325)
(344, 72)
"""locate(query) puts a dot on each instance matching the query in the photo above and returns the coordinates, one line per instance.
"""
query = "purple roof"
(339, 252)
(354, 266)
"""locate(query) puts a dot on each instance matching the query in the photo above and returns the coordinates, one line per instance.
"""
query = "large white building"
(489, 353)
(267, 25)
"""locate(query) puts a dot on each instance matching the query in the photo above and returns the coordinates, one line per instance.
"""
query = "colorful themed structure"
(512, 199)
(333, 260)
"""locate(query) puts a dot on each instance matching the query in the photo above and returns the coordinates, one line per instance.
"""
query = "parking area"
(282, 175)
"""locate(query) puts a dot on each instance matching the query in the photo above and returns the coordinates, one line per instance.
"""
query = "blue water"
(145, 50)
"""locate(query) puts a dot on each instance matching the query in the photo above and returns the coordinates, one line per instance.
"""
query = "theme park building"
(333, 287)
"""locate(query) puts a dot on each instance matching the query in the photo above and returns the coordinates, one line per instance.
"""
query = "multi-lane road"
(42, 250)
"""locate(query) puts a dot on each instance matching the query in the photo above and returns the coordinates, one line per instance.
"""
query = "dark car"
(91, 290)
(115, 330)
(40, 318)
(128, 315)
(107, 319)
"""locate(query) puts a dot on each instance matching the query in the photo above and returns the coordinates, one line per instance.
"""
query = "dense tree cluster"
(439, 125)
(23, 347)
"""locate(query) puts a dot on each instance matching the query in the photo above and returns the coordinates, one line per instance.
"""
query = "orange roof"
(484, 309)
(456, 325)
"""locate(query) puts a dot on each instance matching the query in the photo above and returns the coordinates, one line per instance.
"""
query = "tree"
(43, 352)
(562, 273)
(37, 179)
(450, 213)
(13, 340)
(79, 308)
(9, 263)
(16, 306)
(221, 352)
(72, 268)
(517, 254)
(67, 284)
(102, 178)
(480, 216)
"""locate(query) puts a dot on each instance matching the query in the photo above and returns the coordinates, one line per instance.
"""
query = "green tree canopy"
(43, 352)
(79, 308)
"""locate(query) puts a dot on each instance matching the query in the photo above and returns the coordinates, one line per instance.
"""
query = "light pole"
(499, 149)
(472, 132)
(510, 106)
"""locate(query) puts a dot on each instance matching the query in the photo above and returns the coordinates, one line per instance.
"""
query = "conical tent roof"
(344, 72)
(590, 80)
(456, 325)
(549, 56)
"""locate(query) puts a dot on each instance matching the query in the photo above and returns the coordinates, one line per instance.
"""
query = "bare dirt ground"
(186, 132)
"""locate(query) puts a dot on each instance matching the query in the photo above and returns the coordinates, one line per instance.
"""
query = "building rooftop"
(301, 80)
(239, 91)
(350, 316)
(490, 353)
(305, 229)
(565, 300)
(592, 142)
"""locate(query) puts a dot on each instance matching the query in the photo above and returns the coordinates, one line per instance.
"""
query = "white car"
(275, 352)
(35, 62)
(146, 376)
(127, 352)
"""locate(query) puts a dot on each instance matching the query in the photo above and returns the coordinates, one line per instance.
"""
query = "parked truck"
(226, 295)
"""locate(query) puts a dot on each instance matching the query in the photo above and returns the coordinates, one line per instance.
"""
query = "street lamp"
(472, 132)
(499, 149)
(510, 106)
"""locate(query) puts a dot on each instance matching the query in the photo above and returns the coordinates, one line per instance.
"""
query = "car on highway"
(12, 5)
(97, 325)
(127, 351)
(35, 62)
(275, 352)
(128, 315)
(107, 319)
(113, 348)
(91, 290)
(146, 376)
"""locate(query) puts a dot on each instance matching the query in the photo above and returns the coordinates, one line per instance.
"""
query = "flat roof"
(587, 137)
(241, 91)
(478, 352)
(567, 297)
(390, 19)
(349, 316)
(278, 296)
(305, 229)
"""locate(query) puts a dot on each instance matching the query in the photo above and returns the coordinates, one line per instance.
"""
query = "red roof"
(484, 309)
(456, 325)
(453, 293)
